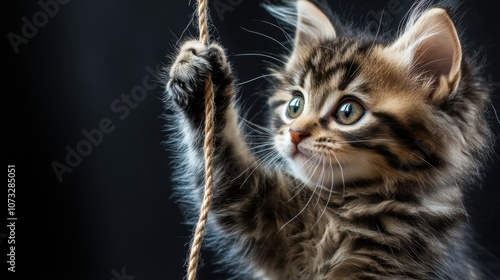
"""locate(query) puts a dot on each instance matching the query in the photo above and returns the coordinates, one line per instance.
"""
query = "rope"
(194, 254)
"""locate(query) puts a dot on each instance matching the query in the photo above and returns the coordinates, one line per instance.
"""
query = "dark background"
(113, 217)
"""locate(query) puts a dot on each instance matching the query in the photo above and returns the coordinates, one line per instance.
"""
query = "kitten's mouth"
(300, 152)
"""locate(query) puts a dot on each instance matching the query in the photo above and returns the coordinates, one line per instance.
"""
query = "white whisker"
(303, 183)
(258, 128)
(341, 174)
(288, 37)
(310, 198)
(254, 79)
(253, 166)
(262, 55)
(495, 111)
(329, 195)
(269, 37)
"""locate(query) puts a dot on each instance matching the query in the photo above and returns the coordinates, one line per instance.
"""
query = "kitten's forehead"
(327, 58)
(347, 66)
(330, 66)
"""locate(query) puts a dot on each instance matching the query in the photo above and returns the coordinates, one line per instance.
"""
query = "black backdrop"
(76, 66)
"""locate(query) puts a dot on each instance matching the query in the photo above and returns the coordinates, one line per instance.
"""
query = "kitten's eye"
(295, 107)
(349, 112)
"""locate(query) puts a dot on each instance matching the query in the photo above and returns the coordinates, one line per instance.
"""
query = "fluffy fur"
(381, 198)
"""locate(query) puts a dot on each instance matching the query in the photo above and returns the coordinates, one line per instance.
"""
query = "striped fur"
(379, 199)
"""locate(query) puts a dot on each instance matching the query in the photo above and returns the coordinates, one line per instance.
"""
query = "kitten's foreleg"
(241, 188)
(251, 204)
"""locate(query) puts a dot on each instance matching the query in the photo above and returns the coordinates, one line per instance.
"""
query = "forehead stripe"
(324, 73)
(351, 71)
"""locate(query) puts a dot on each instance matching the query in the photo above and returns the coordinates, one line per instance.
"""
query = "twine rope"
(194, 255)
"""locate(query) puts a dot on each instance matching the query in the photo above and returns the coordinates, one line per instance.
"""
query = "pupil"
(347, 110)
(295, 105)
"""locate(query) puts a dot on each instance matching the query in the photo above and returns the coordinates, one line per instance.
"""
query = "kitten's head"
(353, 108)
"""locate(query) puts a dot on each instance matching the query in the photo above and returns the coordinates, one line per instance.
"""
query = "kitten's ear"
(431, 47)
(312, 24)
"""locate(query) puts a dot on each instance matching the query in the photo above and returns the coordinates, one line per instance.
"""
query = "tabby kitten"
(374, 144)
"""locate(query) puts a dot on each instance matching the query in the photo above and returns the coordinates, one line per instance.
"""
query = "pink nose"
(297, 136)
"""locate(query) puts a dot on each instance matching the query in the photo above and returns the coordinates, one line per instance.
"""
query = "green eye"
(349, 112)
(295, 107)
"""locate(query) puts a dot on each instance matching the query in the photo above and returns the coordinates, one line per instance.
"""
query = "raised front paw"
(189, 73)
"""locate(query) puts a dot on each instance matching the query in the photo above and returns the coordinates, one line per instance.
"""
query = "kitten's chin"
(328, 170)
(328, 173)
(314, 172)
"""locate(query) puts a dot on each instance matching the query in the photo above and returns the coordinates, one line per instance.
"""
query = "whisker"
(262, 148)
(341, 174)
(262, 55)
(254, 79)
(362, 141)
(310, 198)
(320, 181)
(300, 212)
(269, 37)
(495, 111)
(329, 195)
(423, 159)
(258, 164)
(303, 183)
(254, 165)
(288, 37)
(256, 126)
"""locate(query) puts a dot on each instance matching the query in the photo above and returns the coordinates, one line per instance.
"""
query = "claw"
(189, 71)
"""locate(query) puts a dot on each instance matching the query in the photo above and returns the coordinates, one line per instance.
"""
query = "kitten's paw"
(188, 74)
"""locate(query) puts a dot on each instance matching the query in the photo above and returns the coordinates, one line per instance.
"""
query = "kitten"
(372, 147)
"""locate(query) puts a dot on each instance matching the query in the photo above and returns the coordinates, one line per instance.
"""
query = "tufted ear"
(431, 47)
(312, 24)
